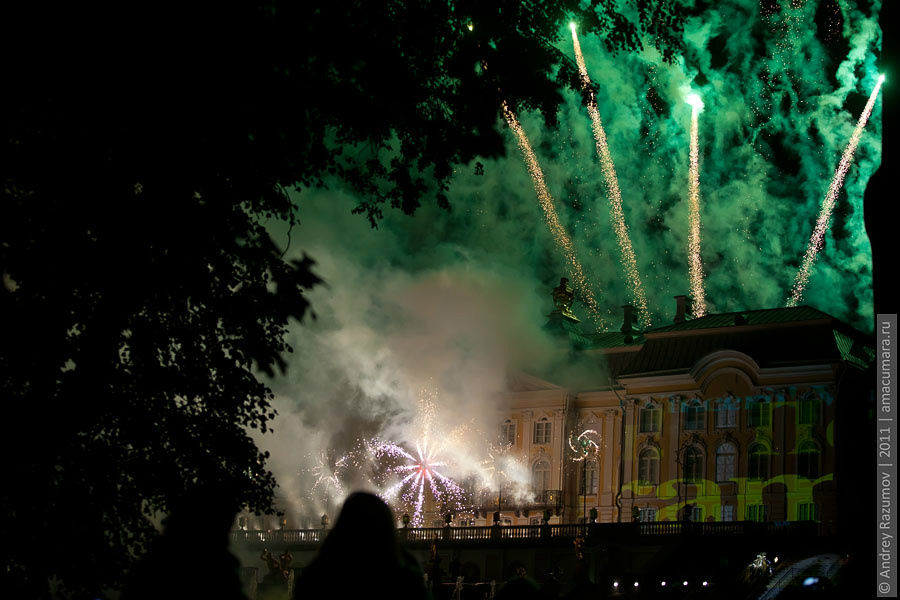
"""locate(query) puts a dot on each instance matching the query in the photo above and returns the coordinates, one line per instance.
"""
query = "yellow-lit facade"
(725, 418)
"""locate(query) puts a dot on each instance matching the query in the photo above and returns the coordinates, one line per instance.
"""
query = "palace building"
(726, 417)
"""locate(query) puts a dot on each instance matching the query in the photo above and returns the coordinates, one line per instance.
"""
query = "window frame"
(732, 463)
(653, 423)
(759, 412)
(809, 410)
(648, 514)
(695, 416)
(543, 431)
(755, 464)
(695, 474)
(729, 508)
(727, 413)
(545, 476)
(808, 511)
(755, 511)
(804, 464)
(508, 426)
(648, 459)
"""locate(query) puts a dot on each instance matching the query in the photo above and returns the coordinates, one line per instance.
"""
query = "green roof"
(747, 317)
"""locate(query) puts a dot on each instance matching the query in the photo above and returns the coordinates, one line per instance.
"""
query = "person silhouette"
(361, 557)
(194, 539)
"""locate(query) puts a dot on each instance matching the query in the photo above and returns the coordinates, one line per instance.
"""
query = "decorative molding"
(649, 442)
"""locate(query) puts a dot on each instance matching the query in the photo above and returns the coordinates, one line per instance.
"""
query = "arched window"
(542, 431)
(808, 464)
(650, 418)
(648, 467)
(508, 432)
(695, 416)
(693, 464)
(541, 476)
(726, 458)
(589, 477)
(810, 410)
(758, 461)
(759, 412)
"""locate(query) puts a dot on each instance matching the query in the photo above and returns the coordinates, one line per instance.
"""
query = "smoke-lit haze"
(449, 300)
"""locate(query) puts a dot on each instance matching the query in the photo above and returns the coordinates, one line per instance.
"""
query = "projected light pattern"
(632, 275)
(818, 234)
(556, 229)
(695, 263)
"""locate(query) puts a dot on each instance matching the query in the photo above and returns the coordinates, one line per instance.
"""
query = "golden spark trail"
(695, 264)
(818, 234)
(556, 228)
(639, 299)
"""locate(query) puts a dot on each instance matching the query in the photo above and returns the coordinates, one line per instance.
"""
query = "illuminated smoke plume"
(639, 298)
(556, 228)
(695, 263)
(818, 234)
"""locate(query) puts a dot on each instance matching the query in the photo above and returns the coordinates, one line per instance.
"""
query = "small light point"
(572, 26)
(881, 78)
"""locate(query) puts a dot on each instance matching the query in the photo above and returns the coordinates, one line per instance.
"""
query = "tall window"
(727, 412)
(728, 512)
(696, 514)
(757, 512)
(807, 511)
(648, 467)
(759, 412)
(542, 430)
(541, 475)
(650, 418)
(695, 416)
(808, 460)
(810, 410)
(508, 432)
(693, 465)
(726, 458)
(589, 477)
(758, 461)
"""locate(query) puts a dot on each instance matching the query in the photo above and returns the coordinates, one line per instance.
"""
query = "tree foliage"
(142, 293)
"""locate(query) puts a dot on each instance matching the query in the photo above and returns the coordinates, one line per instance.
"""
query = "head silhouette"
(366, 522)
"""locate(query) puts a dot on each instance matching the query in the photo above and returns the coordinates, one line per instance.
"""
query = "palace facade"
(726, 417)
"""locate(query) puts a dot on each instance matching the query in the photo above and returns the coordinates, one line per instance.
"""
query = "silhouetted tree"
(146, 147)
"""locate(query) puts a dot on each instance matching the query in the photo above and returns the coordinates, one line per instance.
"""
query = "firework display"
(818, 234)
(559, 233)
(584, 445)
(626, 249)
(695, 263)
(769, 137)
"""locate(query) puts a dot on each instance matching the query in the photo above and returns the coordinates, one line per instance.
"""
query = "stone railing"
(564, 531)
(489, 501)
